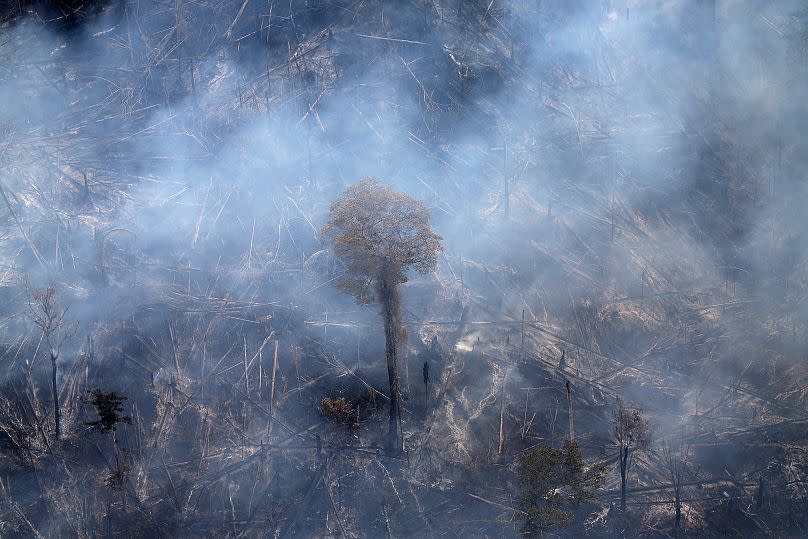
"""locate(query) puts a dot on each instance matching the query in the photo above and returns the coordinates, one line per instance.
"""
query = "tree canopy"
(630, 428)
(554, 482)
(109, 407)
(379, 234)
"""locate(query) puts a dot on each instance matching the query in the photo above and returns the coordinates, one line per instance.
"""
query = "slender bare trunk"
(678, 505)
(623, 470)
(115, 450)
(56, 411)
(569, 411)
(391, 311)
(426, 388)
(759, 498)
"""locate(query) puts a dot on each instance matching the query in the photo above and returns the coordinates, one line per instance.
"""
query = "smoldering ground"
(626, 178)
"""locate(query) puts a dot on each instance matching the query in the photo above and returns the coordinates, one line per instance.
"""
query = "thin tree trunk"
(426, 388)
(623, 470)
(274, 371)
(759, 499)
(391, 306)
(426, 399)
(56, 411)
(569, 411)
(678, 504)
(115, 450)
(272, 387)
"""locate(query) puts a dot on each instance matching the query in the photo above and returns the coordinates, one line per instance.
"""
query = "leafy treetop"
(379, 234)
(630, 428)
(554, 482)
(109, 407)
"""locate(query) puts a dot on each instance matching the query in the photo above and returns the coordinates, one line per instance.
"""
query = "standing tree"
(379, 234)
(555, 481)
(675, 456)
(109, 407)
(49, 316)
(630, 432)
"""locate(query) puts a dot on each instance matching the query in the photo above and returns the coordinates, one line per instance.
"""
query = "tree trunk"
(426, 388)
(623, 470)
(759, 498)
(569, 411)
(678, 505)
(391, 311)
(56, 411)
(115, 450)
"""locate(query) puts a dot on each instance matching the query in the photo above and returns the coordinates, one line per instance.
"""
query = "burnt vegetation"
(414, 268)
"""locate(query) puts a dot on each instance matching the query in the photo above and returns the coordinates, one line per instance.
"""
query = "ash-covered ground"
(621, 191)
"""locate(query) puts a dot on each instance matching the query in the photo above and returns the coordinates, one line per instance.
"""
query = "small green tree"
(379, 234)
(109, 407)
(554, 482)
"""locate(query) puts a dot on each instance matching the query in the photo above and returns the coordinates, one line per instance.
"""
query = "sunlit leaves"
(554, 482)
(379, 234)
